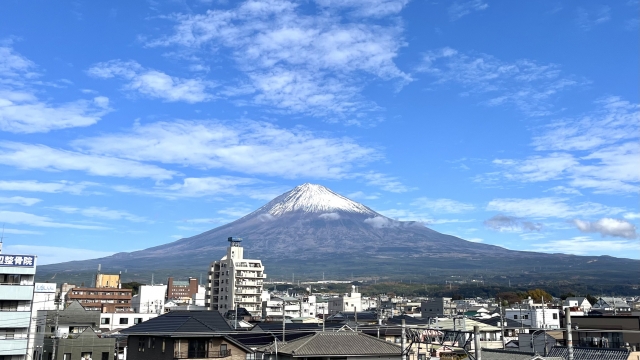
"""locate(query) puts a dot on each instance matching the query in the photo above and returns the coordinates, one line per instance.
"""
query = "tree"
(567, 295)
(510, 297)
(538, 294)
(592, 299)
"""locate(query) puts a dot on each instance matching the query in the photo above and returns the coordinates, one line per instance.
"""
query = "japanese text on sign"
(17, 260)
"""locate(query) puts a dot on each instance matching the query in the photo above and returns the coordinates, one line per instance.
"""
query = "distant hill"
(310, 231)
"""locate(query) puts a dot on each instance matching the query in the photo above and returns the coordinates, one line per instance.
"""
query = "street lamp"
(533, 334)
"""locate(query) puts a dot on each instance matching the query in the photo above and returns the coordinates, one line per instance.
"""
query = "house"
(500, 354)
(343, 345)
(85, 345)
(606, 331)
(184, 335)
(580, 302)
(612, 304)
(580, 353)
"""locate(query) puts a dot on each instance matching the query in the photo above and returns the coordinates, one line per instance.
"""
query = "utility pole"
(504, 345)
(476, 342)
(569, 335)
(55, 333)
(283, 319)
(403, 343)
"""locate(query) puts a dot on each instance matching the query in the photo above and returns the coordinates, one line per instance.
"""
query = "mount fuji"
(313, 230)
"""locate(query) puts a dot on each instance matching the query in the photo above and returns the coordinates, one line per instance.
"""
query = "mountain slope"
(311, 228)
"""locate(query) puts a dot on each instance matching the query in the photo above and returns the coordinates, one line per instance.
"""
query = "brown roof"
(338, 343)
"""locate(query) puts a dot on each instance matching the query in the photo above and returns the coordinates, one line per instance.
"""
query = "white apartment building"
(535, 316)
(149, 300)
(199, 298)
(235, 281)
(348, 302)
(17, 274)
(44, 298)
(123, 320)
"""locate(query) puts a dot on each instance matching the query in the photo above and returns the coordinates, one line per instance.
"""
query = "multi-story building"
(44, 298)
(535, 317)
(437, 307)
(181, 290)
(17, 273)
(102, 299)
(113, 321)
(346, 302)
(149, 300)
(235, 282)
(108, 281)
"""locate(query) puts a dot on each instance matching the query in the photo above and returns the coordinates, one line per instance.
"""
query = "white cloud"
(424, 218)
(588, 19)
(101, 213)
(460, 9)
(312, 62)
(22, 218)
(21, 111)
(584, 245)
(53, 254)
(153, 83)
(447, 206)
(41, 157)
(549, 207)
(25, 201)
(236, 212)
(564, 190)
(46, 187)
(476, 240)
(330, 216)
(379, 222)
(538, 168)
(608, 227)
(504, 223)
(385, 182)
(631, 216)
(21, 232)
(373, 8)
(525, 84)
(248, 147)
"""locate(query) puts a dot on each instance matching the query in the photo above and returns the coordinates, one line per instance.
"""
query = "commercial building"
(108, 281)
(347, 302)
(17, 274)
(44, 298)
(181, 290)
(115, 321)
(235, 281)
(535, 317)
(101, 299)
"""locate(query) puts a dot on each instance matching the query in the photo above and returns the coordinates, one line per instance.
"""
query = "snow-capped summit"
(313, 198)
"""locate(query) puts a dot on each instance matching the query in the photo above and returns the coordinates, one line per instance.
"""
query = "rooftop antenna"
(1, 238)
(151, 279)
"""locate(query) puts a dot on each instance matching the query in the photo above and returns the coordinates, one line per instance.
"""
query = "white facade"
(149, 300)
(536, 318)
(199, 298)
(579, 302)
(44, 298)
(122, 320)
(347, 302)
(17, 274)
(235, 281)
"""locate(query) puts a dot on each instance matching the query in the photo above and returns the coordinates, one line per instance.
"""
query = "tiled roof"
(182, 322)
(508, 323)
(342, 343)
(590, 353)
(499, 354)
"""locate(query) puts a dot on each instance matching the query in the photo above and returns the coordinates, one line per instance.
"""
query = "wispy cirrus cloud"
(154, 83)
(20, 200)
(21, 109)
(585, 245)
(310, 62)
(530, 87)
(448, 206)
(41, 157)
(505, 223)
(365, 8)
(550, 207)
(53, 254)
(101, 213)
(459, 9)
(22, 218)
(45, 187)
(587, 19)
(597, 151)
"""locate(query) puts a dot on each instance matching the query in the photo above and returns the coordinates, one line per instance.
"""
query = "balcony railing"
(201, 354)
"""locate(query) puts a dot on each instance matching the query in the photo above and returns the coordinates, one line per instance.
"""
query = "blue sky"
(129, 124)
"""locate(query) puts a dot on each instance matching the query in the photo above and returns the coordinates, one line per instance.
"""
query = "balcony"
(16, 292)
(201, 354)
(14, 319)
(10, 347)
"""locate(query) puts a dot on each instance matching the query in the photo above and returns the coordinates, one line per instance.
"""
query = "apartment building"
(108, 281)
(102, 299)
(346, 302)
(535, 317)
(235, 282)
(150, 299)
(17, 274)
(44, 298)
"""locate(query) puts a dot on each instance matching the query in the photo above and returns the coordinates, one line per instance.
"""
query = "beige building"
(108, 281)
(235, 282)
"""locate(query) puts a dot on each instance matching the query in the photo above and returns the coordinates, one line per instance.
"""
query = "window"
(526, 317)
(153, 343)
(124, 321)
(555, 316)
(105, 321)
(163, 345)
(137, 320)
(66, 356)
(85, 355)
(9, 333)
(515, 316)
(105, 355)
(141, 341)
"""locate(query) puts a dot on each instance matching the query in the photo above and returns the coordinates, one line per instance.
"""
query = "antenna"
(1, 238)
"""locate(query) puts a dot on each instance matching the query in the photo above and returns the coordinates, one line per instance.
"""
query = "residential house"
(437, 307)
(612, 331)
(617, 306)
(580, 302)
(185, 335)
(339, 345)
(506, 354)
(580, 353)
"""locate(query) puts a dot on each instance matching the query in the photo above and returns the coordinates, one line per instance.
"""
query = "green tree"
(538, 294)
(592, 299)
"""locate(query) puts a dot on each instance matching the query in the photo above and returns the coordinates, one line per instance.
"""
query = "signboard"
(17, 260)
(45, 288)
